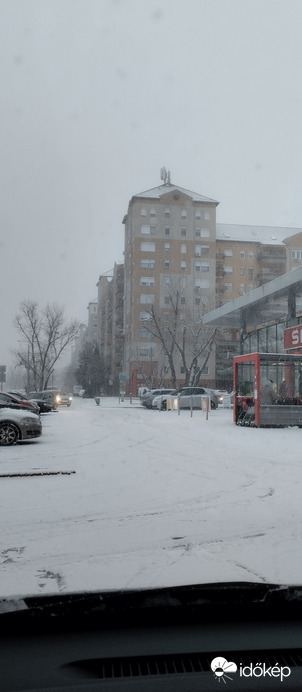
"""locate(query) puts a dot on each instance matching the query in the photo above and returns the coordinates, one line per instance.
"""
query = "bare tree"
(182, 337)
(45, 333)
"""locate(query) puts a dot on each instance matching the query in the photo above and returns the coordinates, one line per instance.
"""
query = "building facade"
(170, 255)
(110, 324)
(175, 252)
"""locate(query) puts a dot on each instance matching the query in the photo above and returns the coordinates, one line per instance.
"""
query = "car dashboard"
(154, 640)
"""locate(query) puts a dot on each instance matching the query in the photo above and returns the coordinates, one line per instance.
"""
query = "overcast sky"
(98, 95)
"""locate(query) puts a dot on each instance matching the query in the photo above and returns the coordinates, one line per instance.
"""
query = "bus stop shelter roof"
(274, 301)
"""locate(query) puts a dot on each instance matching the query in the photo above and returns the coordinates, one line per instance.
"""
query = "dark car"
(8, 400)
(43, 404)
(50, 397)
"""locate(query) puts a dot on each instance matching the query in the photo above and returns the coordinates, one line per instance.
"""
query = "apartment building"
(170, 250)
(174, 247)
(249, 256)
(92, 324)
(110, 323)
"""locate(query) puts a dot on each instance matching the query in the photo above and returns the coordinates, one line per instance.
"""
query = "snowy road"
(156, 499)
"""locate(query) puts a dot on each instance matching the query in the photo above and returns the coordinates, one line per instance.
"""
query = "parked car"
(44, 406)
(220, 393)
(147, 398)
(65, 400)
(23, 399)
(17, 425)
(8, 400)
(186, 396)
(49, 396)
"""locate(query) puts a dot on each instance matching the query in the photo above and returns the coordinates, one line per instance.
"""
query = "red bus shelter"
(268, 389)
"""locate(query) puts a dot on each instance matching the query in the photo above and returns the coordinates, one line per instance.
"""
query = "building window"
(204, 370)
(228, 269)
(152, 211)
(183, 265)
(251, 273)
(183, 281)
(148, 247)
(228, 288)
(242, 254)
(183, 232)
(202, 283)
(241, 289)
(251, 286)
(144, 334)
(143, 211)
(145, 351)
(147, 298)
(147, 281)
(228, 253)
(201, 250)
(183, 214)
(183, 248)
(167, 300)
(148, 230)
(182, 300)
(202, 233)
(242, 271)
(144, 316)
(207, 216)
(166, 316)
(167, 247)
(167, 230)
(148, 264)
(167, 213)
(296, 254)
(167, 264)
(167, 281)
(197, 214)
(197, 301)
(202, 266)
(251, 255)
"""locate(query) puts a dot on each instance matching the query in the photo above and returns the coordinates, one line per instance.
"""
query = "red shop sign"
(292, 337)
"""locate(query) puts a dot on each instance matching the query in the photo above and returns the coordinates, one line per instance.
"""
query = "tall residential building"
(110, 323)
(173, 246)
(170, 248)
(92, 325)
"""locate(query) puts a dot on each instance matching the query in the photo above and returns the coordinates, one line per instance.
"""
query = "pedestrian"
(267, 393)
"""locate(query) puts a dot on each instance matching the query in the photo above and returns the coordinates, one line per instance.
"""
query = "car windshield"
(151, 233)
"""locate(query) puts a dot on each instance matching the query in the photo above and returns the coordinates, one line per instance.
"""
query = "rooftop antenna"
(165, 176)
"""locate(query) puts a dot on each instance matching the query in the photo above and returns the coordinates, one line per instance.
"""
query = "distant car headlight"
(58, 399)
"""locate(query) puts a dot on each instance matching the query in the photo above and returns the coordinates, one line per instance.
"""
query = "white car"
(147, 398)
(17, 425)
(187, 395)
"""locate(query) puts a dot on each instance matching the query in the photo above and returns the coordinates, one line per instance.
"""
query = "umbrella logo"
(221, 668)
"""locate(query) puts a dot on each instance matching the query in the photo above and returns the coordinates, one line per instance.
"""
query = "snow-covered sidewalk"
(156, 499)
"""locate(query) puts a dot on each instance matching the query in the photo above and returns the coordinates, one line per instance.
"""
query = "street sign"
(123, 378)
(292, 337)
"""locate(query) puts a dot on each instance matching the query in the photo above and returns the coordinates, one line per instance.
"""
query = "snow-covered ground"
(156, 499)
